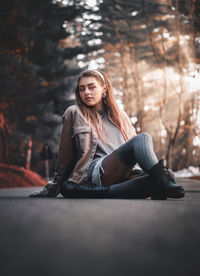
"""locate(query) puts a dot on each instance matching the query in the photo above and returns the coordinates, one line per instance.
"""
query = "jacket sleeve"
(66, 155)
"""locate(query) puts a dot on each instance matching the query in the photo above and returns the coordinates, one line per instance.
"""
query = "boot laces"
(165, 171)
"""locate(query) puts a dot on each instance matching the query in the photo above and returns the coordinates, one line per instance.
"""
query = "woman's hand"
(50, 190)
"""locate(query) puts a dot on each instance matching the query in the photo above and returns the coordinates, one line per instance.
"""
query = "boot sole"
(162, 194)
(175, 193)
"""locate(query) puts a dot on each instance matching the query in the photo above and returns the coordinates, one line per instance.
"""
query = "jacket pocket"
(82, 136)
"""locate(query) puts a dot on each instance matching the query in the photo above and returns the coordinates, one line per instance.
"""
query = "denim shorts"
(94, 172)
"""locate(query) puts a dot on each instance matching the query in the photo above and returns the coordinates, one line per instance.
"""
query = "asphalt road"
(99, 237)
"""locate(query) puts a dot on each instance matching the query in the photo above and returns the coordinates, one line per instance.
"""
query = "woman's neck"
(101, 112)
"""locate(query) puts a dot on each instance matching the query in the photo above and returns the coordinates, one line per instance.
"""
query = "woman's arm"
(66, 155)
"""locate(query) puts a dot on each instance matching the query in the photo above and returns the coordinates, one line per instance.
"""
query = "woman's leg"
(118, 165)
(138, 188)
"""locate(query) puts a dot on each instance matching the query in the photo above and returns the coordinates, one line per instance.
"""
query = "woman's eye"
(92, 87)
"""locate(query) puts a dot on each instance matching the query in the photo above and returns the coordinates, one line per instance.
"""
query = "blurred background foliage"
(149, 49)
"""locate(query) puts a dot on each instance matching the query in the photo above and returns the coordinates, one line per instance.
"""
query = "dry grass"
(13, 176)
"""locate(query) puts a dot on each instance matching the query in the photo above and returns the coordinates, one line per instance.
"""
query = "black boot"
(164, 181)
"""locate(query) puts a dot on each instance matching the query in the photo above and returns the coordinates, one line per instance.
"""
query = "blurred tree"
(37, 70)
(184, 143)
(85, 30)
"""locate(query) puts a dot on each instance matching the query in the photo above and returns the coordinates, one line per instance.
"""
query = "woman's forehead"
(87, 80)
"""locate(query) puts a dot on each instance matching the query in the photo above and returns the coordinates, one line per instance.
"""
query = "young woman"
(99, 149)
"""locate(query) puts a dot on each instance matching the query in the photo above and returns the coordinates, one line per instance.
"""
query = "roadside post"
(28, 155)
(46, 155)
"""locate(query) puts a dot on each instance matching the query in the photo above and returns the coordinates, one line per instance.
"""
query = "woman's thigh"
(114, 171)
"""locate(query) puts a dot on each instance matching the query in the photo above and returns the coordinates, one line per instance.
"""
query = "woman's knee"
(144, 136)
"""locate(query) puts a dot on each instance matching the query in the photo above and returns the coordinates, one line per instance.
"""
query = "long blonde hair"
(110, 105)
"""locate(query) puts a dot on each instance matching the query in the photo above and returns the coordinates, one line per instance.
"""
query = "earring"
(104, 95)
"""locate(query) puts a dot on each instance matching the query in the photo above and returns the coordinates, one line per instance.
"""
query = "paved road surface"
(99, 237)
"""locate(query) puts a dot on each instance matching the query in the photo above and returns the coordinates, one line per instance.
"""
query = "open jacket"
(77, 147)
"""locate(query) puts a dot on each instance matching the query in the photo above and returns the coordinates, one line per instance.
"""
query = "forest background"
(149, 49)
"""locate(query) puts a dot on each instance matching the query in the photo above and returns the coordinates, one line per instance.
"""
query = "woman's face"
(90, 91)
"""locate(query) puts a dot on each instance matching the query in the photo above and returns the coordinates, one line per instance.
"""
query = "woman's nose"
(87, 91)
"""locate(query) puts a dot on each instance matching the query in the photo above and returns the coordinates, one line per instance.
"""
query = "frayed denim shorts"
(95, 170)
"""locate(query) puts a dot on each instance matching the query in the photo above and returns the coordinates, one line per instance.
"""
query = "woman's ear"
(104, 88)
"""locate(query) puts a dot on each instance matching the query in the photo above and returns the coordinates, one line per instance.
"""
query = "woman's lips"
(88, 99)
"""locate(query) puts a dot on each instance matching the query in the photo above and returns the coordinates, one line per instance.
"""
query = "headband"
(100, 75)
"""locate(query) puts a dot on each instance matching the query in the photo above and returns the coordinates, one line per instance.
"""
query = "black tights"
(118, 165)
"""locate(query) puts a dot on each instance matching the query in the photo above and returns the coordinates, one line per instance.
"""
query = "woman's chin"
(89, 104)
